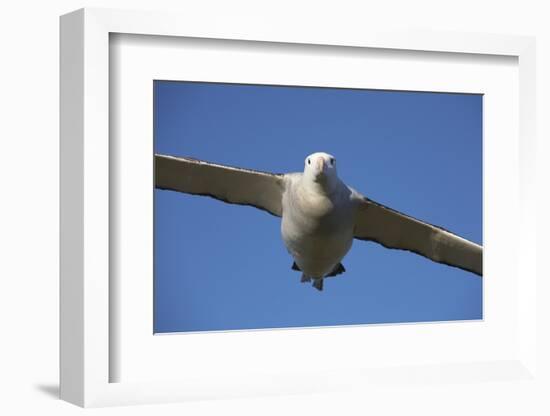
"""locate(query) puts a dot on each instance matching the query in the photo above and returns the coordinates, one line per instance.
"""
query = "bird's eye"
(332, 161)
(309, 161)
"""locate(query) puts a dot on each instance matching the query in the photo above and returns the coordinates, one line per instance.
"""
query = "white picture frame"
(86, 291)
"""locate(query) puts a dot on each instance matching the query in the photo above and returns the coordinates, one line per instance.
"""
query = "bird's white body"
(318, 217)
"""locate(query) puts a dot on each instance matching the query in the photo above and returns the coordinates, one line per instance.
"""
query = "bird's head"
(320, 167)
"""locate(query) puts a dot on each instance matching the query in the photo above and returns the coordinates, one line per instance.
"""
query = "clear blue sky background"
(222, 267)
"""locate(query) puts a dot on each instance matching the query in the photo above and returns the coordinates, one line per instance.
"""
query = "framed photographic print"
(273, 212)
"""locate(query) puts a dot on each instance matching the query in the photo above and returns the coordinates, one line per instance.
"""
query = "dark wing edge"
(393, 229)
(226, 183)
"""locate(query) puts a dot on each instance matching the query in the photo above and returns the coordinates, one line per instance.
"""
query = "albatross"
(320, 214)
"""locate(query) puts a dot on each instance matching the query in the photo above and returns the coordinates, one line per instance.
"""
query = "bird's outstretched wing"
(229, 184)
(393, 229)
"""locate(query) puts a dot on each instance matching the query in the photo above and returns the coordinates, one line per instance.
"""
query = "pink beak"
(320, 164)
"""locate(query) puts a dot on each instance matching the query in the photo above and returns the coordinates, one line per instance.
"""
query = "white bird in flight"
(320, 214)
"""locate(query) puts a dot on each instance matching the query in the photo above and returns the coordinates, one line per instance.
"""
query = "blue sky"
(223, 267)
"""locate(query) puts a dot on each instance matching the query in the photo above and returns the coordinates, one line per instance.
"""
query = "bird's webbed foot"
(318, 284)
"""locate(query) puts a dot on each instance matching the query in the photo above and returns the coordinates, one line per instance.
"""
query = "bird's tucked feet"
(338, 269)
(318, 283)
(305, 278)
